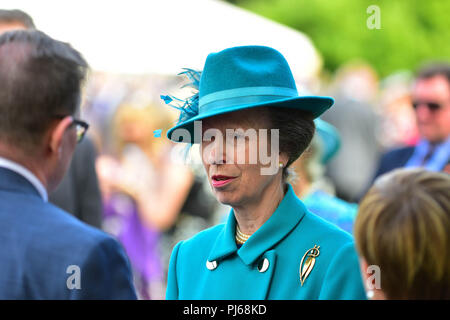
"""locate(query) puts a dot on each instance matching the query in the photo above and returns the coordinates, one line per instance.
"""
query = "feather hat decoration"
(189, 106)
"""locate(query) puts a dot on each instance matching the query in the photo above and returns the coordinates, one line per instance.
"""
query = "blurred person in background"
(355, 88)
(45, 253)
(398, 126)
(149, 197)
(78, 193)
(402, 228)
(431, 102)
(313, 187)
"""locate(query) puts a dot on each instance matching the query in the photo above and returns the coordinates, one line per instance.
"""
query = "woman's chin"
(225, 198)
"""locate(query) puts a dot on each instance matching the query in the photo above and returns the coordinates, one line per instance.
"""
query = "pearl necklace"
(241, 238)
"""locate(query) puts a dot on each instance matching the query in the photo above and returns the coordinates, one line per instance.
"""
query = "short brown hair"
(403, 226)
(435, 69)
(297, 129)
(40, 78)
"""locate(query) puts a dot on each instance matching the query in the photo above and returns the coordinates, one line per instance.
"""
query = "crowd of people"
(89, 179)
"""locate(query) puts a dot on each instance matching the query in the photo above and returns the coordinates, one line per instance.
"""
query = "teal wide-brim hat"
(241, 78)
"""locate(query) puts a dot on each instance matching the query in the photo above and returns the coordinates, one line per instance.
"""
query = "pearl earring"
(281, 165)
(370, 294)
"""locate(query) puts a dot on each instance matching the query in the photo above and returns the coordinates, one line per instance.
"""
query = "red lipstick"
(221, 180)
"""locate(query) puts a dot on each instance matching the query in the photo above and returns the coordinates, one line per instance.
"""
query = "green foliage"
(412, 31)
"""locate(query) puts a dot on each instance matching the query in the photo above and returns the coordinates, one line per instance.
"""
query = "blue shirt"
(436, 162)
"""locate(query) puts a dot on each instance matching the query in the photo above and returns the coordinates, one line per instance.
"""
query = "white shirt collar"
(27, 174)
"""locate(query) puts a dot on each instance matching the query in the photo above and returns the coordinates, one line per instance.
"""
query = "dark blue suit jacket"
(42, 248)
(393, 159)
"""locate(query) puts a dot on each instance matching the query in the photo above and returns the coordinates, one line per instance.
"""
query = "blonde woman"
(402, 234)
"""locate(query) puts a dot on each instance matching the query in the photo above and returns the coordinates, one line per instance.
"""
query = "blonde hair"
(149, 116)
(403, 226)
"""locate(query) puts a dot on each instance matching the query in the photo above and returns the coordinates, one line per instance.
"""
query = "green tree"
(411, 31)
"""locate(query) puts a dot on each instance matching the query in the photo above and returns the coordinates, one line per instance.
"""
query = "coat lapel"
(225, 243)
(255, 262)
(285, 218)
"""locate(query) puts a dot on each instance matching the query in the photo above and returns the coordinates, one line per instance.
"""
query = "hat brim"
(314, 104)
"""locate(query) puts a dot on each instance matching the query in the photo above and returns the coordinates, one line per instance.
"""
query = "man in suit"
(431, 102)
(79, 192)
(44, 252)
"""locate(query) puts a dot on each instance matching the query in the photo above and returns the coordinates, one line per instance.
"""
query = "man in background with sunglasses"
(45, 253)
(431, 103)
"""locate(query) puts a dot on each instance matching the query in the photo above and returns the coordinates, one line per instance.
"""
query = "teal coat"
(267, 266)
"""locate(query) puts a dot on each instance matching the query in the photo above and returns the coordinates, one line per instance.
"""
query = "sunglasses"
(81, 126)
(432, 106)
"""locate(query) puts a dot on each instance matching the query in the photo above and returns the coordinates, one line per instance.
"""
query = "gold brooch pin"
(306, 267)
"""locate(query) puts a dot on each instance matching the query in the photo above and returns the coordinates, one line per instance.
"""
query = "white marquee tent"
(162, 36)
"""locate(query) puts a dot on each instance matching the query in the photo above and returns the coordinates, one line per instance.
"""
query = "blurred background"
(362, 53)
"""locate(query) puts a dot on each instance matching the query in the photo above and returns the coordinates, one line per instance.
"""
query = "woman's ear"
(57, 134)
(283, 158)
(363, 265)
(373, 290)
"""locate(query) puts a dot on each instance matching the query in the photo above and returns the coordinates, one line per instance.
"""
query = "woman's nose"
(214, 153)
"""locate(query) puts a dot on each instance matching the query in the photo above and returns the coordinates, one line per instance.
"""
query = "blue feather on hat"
(188, 107)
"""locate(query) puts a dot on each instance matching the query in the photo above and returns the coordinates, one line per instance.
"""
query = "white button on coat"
(211, 265)
(263, 265)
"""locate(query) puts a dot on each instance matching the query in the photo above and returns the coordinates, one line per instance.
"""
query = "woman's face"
(234, 157)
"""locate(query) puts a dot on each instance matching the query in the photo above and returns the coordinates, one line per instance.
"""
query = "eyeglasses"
(432, 106)
(81, 126)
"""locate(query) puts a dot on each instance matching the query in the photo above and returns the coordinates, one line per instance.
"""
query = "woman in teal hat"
(271, 246)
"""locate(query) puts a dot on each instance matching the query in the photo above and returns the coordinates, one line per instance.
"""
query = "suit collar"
(285, 218)
(13, 181)
(27, 174)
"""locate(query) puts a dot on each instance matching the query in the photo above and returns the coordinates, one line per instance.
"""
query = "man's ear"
(57, 134)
